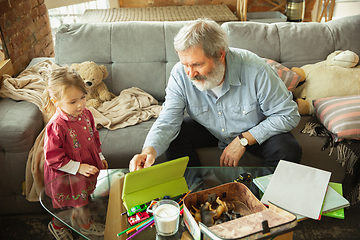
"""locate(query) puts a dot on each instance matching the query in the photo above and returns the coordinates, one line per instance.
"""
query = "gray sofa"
(141, 54)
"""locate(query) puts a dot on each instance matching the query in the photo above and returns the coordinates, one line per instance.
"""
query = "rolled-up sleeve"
(277, 105)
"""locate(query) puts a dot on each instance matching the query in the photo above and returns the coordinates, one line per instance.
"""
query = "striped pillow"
(289, 77)
(340, 115)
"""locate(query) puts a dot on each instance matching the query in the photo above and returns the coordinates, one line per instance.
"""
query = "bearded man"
(234, 100)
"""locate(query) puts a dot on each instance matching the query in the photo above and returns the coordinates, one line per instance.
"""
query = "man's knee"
(282, 147)
(292, 153)
(290, 150)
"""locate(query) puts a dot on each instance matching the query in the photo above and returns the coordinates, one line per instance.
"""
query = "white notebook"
(297, 188)
(333, 200)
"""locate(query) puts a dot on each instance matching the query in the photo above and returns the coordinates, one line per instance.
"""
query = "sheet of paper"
(297, 188)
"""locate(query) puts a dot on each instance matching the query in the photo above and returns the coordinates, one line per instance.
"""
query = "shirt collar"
(232, 76)
(66, 116)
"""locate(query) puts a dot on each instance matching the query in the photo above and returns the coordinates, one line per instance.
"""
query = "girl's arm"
(72, 167)
(54, 152)
(104, 162)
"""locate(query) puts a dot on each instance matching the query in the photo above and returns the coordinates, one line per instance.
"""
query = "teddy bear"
(93, 76)
(338, 75)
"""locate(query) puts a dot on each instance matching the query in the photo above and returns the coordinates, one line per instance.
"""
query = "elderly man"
(234, 100)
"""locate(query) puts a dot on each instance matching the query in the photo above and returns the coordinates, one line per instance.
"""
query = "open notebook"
(157, 181)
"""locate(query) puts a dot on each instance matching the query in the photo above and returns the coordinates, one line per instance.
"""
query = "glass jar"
(295, 10)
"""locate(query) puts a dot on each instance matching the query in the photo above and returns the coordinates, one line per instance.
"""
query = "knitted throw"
(348, 153)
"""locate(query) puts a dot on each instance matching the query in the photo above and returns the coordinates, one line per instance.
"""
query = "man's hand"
(143, 160)
(234, 151)
(232, 154)
(87, 170)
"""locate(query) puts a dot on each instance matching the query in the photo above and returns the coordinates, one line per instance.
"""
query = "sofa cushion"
(20, 124)
(289, 77)
(340, 115)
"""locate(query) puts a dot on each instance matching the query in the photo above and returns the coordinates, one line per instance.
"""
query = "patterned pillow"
(340, 115)
(290, 78)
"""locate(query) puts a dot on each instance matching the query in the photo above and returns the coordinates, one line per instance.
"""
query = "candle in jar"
(166, 219)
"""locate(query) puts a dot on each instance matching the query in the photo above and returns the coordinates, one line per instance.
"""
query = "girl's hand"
(105, 164)
(87, 170)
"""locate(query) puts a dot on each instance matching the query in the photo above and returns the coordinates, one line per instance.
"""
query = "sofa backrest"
(136, 54)
(141, 54)
(296, 44)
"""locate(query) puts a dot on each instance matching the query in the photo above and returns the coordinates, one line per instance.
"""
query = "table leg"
(115, 223)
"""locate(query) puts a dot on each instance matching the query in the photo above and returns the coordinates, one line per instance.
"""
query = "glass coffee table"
(106, 205)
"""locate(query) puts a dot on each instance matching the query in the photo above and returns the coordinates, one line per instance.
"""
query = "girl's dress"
(70, 138)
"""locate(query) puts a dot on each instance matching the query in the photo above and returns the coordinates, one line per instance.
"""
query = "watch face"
(244, 141)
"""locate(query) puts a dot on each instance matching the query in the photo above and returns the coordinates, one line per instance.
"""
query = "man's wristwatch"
(243, 141)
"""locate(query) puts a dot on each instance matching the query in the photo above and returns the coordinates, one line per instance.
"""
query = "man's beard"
(213, 79)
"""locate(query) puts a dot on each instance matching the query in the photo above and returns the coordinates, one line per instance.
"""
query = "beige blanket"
(132, 106)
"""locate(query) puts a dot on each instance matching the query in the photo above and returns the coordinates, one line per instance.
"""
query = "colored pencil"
(144, 223)
(128, 229)
(139, 231)
(184, 197)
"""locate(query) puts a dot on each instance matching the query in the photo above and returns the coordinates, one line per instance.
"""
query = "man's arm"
(166, 127)
(143, 160)
(281, 115)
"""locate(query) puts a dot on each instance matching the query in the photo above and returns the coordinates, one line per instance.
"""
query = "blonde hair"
(60, 80)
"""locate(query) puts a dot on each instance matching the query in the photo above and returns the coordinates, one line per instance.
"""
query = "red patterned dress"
(70, 138)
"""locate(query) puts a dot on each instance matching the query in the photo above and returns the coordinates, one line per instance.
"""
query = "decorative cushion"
(340, 115)
(289, 77)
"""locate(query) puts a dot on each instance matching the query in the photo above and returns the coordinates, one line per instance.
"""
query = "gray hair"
(203, 33)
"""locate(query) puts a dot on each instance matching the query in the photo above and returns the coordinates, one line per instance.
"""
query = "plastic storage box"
(257, 221)
(266, 17)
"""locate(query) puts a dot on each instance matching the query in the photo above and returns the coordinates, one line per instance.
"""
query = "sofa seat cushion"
(118, 146)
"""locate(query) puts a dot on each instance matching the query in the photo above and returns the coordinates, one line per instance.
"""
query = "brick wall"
(26, 31)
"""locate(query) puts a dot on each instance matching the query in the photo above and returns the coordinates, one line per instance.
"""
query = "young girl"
(71, 148)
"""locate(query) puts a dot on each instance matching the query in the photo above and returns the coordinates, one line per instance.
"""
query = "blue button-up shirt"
(253, 98)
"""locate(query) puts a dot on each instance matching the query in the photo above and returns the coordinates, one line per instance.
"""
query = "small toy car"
(136, 209)
(244, 177)
(139, 217)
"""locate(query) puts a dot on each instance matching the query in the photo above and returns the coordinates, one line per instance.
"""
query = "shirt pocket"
(200, 113)
(241, 113)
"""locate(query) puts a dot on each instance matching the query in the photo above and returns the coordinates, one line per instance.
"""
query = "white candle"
(166, 219)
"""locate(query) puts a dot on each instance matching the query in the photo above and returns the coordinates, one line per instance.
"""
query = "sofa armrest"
(20, 124)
